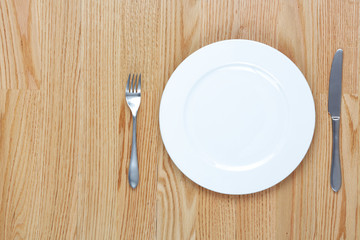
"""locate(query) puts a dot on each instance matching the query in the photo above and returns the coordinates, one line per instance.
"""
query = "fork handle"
(133, 167)
(335, 174)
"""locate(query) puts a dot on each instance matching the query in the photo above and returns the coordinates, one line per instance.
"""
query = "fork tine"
(132, 83)
(135, 83)
(128, 83)
(139, 84)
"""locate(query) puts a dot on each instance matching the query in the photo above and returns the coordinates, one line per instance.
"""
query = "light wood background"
(66, 129)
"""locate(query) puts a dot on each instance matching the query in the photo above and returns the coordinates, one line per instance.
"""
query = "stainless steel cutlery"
(133, 97)
(334, 108)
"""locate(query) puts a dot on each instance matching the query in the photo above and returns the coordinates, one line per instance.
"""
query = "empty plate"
(237, 116)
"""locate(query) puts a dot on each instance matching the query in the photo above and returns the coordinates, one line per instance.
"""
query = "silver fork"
(133, 97)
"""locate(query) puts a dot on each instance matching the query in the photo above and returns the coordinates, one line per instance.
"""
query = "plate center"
(236, 117)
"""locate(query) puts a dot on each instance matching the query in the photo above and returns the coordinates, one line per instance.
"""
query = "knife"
(334, 111)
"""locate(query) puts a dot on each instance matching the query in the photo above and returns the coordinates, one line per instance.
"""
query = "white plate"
(237, 116)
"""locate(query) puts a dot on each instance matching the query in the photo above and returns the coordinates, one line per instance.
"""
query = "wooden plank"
(21, 164)
(177, 197)
(60, 33)
(20, 44)
(119, 38)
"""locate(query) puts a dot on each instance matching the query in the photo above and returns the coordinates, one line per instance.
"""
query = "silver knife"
(334, 110)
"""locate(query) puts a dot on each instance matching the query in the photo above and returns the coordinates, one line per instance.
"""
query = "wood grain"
(66, 130)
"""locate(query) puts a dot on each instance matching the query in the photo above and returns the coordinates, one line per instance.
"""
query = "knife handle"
(335, 174)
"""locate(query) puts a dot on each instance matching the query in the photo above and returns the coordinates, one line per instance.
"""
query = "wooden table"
(66, 130)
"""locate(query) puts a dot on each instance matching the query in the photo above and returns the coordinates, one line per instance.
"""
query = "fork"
(133, 97)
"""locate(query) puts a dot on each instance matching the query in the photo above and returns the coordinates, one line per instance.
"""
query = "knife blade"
(335, 84)
(334, 108)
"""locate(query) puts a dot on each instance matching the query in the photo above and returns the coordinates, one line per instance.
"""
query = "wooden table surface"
(66, 129)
